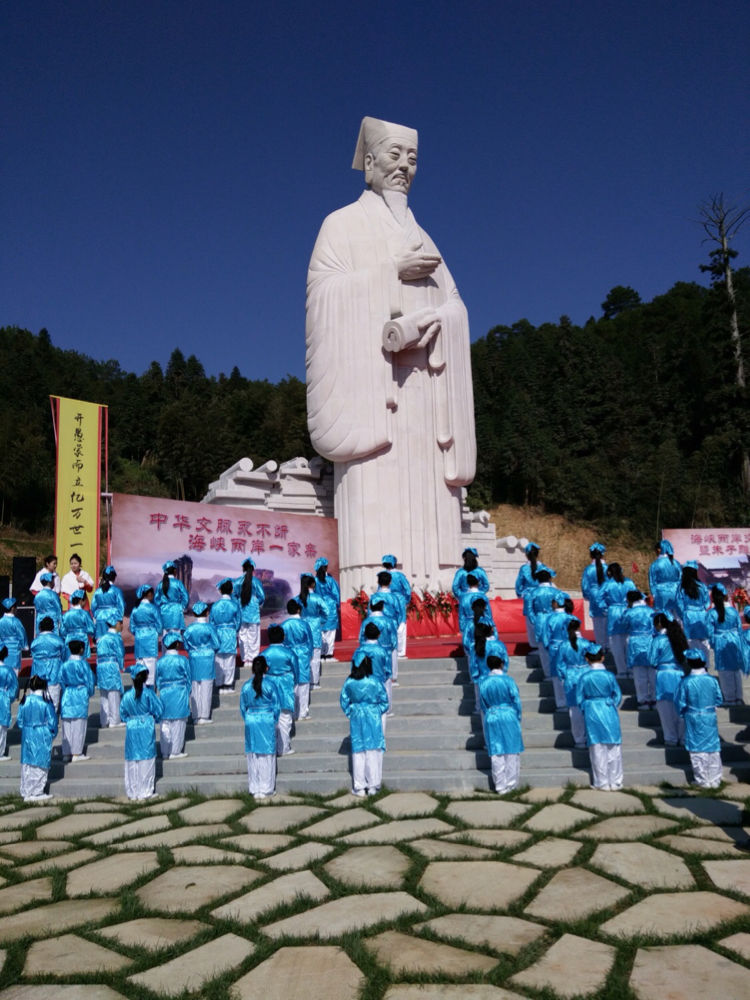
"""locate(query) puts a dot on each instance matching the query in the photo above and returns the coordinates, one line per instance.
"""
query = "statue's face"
(391, 166)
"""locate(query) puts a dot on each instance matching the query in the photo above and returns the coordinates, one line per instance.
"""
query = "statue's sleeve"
(349, 377)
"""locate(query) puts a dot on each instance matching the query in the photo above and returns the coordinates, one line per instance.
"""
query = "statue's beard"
(397, 203)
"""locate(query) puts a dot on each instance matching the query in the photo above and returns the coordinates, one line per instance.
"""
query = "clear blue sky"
(166, 164)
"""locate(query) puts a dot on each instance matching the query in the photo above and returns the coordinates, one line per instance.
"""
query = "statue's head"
(388, 155)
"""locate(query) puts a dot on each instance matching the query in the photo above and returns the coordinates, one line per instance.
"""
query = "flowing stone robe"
(399, 427)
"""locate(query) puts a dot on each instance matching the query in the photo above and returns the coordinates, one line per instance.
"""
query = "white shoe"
(79, 757)
(373, 791)
(289, 752)
(259, 795)
(5, 756)
(359, 792)
(395, 684)
(177, 756)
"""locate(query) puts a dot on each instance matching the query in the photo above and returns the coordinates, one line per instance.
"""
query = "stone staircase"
(434, 742)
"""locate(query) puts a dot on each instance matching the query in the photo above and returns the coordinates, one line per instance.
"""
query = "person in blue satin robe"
(77, 622)
(471, 565)
(592, 579)
(172, 599)
(201, 643)
(691, 603)
(110, 663)
(614, 597)
(314, 612)
(47, 602)
(638, 622)
(399, 585)
(173, 682)
(599, 698)
(226, 618)
(667, 655)
(664, 575)
(697, 699)
(260, 709)
(8, 694)
(554, 628)
(298, 638)
(364, 701)
(725, 636)
(12, 634)
(249, 593)
(37, 720)
(500, 704)
(107, 597)
(283, 671)
(146, 626)
(328, 591)
(47, 652)
(141, 709)
(77, 681)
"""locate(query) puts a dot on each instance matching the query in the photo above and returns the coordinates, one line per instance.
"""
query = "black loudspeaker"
(26, 618)
(4, 587)
(24, 571)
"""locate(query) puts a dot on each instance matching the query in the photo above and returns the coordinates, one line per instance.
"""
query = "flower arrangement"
(361, 603)
(446, 603)
(414, 608)
(740, 598)
(430, 605)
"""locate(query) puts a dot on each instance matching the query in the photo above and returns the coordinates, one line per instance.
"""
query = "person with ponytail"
(173, 683)
(107, 597)
(380, 660)
(471, 566)
(146, 626)
(201, 642)
(364, 701)
(260, 708)
(667, 655)
(696, 699)
(8, 694)
(725, 636)
(387, 631)
(47, 602)
(691, 603)
(226, 618)
(554, 629)
(614, 596)
(37, 720)
(500, 705)
(77, 622)
(110, 662)
(638, 623)
(664, 575)
(314, 612)
(570, 659)
(526, 577)
(12, 634)
(77, 681)
(171, 599)
(283, 672)
(746, 639)
(599, 698)
(140, 710)
(594, 576)
(248, 591)
(298, 639)
(328, 591)
(542, 598)
(47, 652)
(399, 585)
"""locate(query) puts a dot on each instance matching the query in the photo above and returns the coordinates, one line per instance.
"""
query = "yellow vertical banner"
(78, 428)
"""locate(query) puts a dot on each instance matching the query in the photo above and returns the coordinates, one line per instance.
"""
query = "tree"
(620, 299)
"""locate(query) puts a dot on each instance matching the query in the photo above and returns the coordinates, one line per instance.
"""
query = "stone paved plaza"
(550, 893)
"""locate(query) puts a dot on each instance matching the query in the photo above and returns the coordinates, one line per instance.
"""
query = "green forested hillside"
(631, 421)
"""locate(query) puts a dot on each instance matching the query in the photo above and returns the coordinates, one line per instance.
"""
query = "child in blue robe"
(725, 636)
(8, 694)
(110, 662)
(697, 698)
(173, 684)
(140, 710)
(47, 652)
(667, 656)
(37, 721)
(226, 618)
(500, 704)
(146, 626)
(77, 681)
(107, 598)
(260, 708)
(363, 700)
(201, 642)
(599, 697)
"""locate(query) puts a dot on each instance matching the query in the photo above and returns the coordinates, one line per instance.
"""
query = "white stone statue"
(389, 391)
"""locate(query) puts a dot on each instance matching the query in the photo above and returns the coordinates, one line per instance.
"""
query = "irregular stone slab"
(575, 893)
(671, 913)
(643, 865)
(717, 811)
(612, 802)
(557, 818)
(191, 970)
(110, 874)
(400, 804)
(199, 854)
(75, 992)
(446, 850)
(87, 806)
(176, 836)
(739, 835)
(552, 852)
(212, 811)
(277, 819)
(625, 827)
(347, 914)
(435, 991)
(16, 896)
(188, 889)
(141, 826)
(381, 867)
(738, 792)
(480, 885)
(260, 843)
(70, 955)
(29, 848)
(62, 862)
(705, 847)
(76, 824)
(739, 943)
(57, 917)
(406, 955)
(246, 909)
(152, 933)
(167, 805)
(572, 967)
(298, 857)
(344, 801)
(302, 974)
(487, 813)
(347, 819)
(23, 817)
(536, 796)
(397, 831)
(689, 972)
(504, 934)
(498, 839)
(732, 875)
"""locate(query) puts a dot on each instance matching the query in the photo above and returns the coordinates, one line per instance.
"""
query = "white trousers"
(73, 736)
(705, 647)
(33, 780)
(577, 725)
(224, 664)
(544, 660)
(600, 630)
(301, 701)
(315, 667)
(201, 694)
(561, 701)
(172, 736)
(248, 638)
(730, 682)
(394, 665)
(672, 724)
(3, 740)
(283, 733)
(328, 639)
(644, 682)
(109, 708)
(261, 773)
(618, 644)
(140, 777)
(147, 663)
(530, 633)
(606, 765)
(506, 769)
(367, 770)
(55, 691)
(401, 636)
(706, 769)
